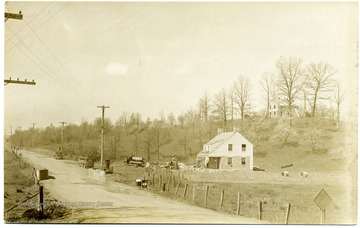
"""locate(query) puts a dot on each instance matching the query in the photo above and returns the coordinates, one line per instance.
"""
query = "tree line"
(226, 109)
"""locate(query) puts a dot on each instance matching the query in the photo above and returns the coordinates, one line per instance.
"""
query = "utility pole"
(25, 82)
(32, 135)
(20, 138)
(103, 107)
(62, 136)
(17, 16)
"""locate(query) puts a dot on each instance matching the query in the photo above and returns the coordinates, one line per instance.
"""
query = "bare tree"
(124, 121)
(221, 104)
(181, 119)
(190, 118)
(290, 80)
(242, 95)
(171, 118)
(232, 102)
(283, 133)
(319, 81)
(162, 116)
(204, 106)
(162, 136)
(337, 97)
(267, 84)
(147, 140)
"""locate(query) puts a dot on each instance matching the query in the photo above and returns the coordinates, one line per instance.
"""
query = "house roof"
(220, 137)
(219, 140)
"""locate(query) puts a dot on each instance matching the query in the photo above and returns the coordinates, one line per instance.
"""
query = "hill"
(310, 143)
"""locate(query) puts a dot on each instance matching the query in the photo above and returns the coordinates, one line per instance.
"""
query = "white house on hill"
(279, 108)
(228, 150)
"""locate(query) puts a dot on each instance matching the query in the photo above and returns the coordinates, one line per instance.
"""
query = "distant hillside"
(309, 143)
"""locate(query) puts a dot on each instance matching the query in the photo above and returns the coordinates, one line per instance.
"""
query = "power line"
(114, 33)
(44, 22)
(24, 5)
(58, 61)
(63, 84)
(37, 14)
(82, 30)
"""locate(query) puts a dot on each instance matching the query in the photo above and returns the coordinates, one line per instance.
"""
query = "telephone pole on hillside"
(103, 107)
(62, 136)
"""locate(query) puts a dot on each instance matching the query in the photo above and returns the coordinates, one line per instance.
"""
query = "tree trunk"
(338, 117)
(242, 118)
(268, 105)
(148, 153)
(314, 105)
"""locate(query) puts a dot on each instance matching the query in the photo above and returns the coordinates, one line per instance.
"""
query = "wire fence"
(217, 197)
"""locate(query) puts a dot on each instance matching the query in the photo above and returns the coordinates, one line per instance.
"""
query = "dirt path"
(95, 202)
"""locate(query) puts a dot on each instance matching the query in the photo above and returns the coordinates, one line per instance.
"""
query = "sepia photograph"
(171, 112)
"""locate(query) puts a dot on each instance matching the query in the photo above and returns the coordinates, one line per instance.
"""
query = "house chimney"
(220, 130)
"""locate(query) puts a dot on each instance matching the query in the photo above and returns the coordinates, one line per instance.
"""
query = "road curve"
(95, 202)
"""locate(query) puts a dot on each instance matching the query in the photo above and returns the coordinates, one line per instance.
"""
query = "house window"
(229, 147)
(243, 147)
(230, 161)
(243, 161)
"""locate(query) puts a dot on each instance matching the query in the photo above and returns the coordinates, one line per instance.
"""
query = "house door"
(214, 163)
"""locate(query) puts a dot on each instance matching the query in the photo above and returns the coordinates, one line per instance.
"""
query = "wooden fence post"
(221, 199)
(206, 194)
(41, 200)
(287, 214)
(260, 210)
(177, 187)
(185, 189)
(238, 204)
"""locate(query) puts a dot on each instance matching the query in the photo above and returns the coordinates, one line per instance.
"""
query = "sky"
(160, 56)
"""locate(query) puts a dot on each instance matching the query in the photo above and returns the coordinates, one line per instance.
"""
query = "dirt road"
(95, 202)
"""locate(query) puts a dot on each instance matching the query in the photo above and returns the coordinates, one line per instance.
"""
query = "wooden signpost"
(322, 200)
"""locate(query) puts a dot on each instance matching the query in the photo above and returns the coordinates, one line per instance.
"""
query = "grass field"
(19, 185)
(274, 191)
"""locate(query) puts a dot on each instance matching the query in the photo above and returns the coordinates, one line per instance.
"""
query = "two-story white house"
(227, 150)
(279, 108)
